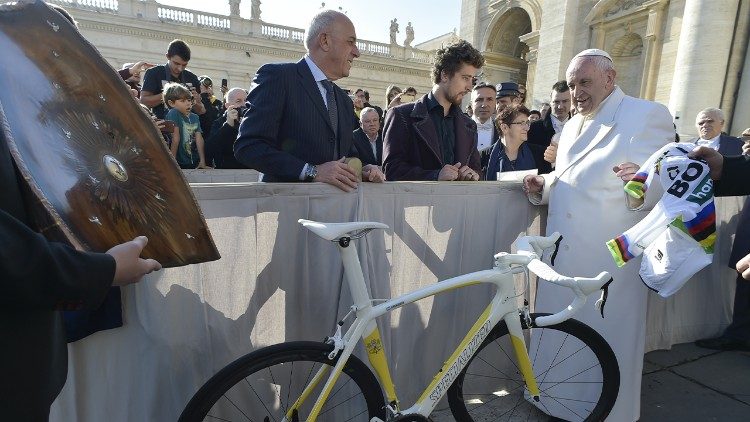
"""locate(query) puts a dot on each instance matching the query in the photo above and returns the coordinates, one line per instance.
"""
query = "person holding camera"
(214, 107)
(220, 145)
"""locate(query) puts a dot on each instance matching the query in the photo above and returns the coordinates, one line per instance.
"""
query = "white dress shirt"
(484, 133)
(711, 143)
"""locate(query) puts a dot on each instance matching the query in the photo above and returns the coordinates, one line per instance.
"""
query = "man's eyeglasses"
(525, 123)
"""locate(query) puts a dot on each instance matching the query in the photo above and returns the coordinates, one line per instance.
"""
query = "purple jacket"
(411, 149)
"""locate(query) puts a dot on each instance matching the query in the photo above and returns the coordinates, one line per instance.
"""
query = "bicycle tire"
(505, 397)
(250, 389)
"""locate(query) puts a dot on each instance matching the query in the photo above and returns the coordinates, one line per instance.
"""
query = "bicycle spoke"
(256, 395)
(237, 407)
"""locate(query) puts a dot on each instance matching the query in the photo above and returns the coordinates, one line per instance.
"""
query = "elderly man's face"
(709, 125)
(235, 98)
(589, 86)
(340, 48)
(483, 103)
(370, 123)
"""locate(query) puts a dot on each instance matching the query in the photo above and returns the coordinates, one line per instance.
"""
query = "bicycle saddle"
(334, 231)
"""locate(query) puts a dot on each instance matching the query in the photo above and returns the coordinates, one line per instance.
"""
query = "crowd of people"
(297, 125)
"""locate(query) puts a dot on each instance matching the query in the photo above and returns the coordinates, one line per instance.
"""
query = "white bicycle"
(483, 379)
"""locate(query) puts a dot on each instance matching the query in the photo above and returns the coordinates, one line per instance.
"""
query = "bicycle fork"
(513, 322)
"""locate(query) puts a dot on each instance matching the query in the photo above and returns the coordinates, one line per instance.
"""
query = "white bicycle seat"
(334, 231)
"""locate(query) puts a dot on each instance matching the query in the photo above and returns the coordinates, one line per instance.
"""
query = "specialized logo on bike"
(461, 361)
(374, 346)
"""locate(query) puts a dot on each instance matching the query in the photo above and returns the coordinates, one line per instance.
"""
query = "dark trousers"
(740, 327)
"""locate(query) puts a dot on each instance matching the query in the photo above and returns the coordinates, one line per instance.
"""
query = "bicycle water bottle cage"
(603, 299)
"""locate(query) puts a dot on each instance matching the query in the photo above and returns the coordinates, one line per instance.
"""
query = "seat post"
(353, 273)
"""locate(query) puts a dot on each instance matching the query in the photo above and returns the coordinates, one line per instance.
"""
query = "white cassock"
(588, 206)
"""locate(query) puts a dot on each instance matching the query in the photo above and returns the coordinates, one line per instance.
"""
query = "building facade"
(686, 54)
(232, 47)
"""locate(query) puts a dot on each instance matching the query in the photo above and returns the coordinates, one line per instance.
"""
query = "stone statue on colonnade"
(409, 35)
(234, 7)
(394, 31)
(255, 10)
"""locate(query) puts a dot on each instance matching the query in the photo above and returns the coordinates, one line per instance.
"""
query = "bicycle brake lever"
(603, 299)
(554, 254)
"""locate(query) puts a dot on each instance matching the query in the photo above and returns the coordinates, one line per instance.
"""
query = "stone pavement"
(688, 383)
(684, 384)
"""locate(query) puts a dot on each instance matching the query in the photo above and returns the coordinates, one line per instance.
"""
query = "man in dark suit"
(298, 124)
(710, 123)
(542, 131)
(432, 139)
(367, 139)
(733, 175)
(40, 278)
(220, 145)
(483, 109)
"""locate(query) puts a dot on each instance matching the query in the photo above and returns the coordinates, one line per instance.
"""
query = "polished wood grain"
(95, 168)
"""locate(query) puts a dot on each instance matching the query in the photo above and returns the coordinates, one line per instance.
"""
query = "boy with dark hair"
(187, 141)
(431, 139)
(175, 70)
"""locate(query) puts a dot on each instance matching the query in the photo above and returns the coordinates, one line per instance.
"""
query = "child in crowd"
(187, 140)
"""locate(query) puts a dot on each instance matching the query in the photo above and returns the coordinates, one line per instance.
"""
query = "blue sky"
(430, 18)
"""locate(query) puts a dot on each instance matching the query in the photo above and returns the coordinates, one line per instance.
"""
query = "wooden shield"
(96, 169)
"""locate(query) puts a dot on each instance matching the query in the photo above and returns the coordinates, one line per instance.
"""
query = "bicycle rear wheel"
(263, 385)
(577, 373)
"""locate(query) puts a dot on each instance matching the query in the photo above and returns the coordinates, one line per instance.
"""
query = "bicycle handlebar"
(532, 248)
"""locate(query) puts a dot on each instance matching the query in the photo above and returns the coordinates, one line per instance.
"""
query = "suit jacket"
(735, 180)
(286, 124)
(728, 145)
(734, 176)
(220, 145)
(411, 149)
(37, 278)
(541, 131)
(364, 150)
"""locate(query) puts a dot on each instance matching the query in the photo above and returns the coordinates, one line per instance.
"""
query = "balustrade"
(210, 21)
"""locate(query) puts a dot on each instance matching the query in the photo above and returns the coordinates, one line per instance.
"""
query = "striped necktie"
(333, 113)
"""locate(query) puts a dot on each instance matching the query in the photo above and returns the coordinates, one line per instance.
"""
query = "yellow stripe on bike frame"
(307, 391)
(378, 360)
(474, 329)
(524, 364)
(322, 399)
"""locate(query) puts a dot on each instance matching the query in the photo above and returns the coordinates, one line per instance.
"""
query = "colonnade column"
(702, 56)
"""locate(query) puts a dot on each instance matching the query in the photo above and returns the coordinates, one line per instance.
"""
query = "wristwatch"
(310, 173)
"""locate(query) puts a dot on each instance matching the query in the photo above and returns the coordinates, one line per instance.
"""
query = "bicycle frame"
(503, 306)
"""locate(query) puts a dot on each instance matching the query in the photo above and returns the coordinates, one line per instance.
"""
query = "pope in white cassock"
(600, 148)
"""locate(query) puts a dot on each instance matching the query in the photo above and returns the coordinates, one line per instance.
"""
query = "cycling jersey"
(678, 235)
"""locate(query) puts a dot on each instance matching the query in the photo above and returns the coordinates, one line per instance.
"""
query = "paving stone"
(649, 367)
(680, 353)
(728, 372)
(667, 397)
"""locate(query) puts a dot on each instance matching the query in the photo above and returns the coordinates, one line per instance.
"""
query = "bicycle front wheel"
(576, 370)
(265, 384)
